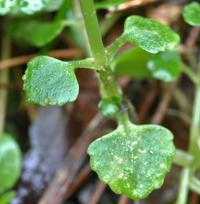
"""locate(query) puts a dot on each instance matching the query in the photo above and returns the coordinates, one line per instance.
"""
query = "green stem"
(183, 158)
(93, 32)
(114, 47)
(183, 187)
(108, 85)
(195, 127)
(193, 146)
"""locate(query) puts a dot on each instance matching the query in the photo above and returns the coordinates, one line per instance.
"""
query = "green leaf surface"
(191, 14)
(36, 33)
(10, 162)
(48, 81)
(7, 197)
(165, 66)
(134, 160)
(105, 4)
(149, 35)
(132, 63)
(27, 6)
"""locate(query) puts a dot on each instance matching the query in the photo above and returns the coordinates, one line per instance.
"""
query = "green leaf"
(149, 35)
(48, 81)
(134, 160)
(10, 162)
(165, 66)
(36, 33)
(108, 3)
(132, 63)
(27, 6)
(7, 197)
(6, 6)
(191, 14)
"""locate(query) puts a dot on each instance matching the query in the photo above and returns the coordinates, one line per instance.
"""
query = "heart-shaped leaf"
(48, 81)
(10, 162)
(134, 160)
(191, 14)
(44, 32)
(165, 66)
(149, 35)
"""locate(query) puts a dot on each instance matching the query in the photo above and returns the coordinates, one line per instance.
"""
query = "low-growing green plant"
(133, 159)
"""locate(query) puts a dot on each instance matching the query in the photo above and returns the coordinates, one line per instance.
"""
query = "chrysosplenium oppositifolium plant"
(133, 159)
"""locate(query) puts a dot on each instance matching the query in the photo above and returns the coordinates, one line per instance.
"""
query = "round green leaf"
(165, 66)
(191, 14)
(132, 63)
(10, 162)
(43, 32)
(134, 160)
(149, 35)
(48, 81)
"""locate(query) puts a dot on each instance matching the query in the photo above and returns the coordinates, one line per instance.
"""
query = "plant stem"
(183, 187)
(195, 126)
(93, 32)
(108, 85)
(4, 77)
(114, 47)
(193, 146)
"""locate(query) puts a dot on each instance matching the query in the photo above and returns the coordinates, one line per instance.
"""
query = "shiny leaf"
(10, 162)
(165, 66)
(133, 160)
(48, 81)
(191, 14)
(149, 35)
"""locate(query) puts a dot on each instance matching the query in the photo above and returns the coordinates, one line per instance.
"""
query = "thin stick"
(124, 200)
(62, 54)
(161, 110)
(98, 193)
(79, 180)
(4, 77)
(57, 189)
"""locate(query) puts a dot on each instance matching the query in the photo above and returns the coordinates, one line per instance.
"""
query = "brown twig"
(193, 37)
(124, 200)
(131, 4)
(62, 54)
(12, 86)
(165, 101)
(79, 180)
(97, 193)
(58, 188)
(148, 101)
